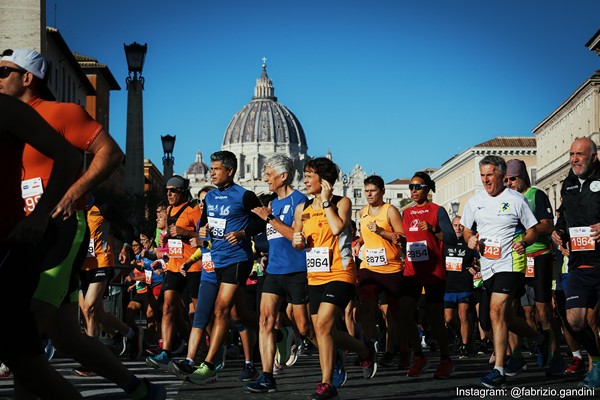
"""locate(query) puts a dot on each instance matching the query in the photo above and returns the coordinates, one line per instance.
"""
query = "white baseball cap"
(28, 59)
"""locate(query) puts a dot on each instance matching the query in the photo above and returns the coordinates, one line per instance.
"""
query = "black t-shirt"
(460, 281)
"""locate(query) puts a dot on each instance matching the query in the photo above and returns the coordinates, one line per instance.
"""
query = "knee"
(221, 312)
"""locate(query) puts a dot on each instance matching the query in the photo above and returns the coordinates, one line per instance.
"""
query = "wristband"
(270, 217)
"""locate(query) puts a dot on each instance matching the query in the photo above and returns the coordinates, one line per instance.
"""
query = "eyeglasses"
(510, 178)
(416, 186)
(6, 70)
(172, 190)
(135, 245)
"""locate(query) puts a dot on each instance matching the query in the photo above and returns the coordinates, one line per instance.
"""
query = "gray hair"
(282, 163)
(497, 161)
(227, 158)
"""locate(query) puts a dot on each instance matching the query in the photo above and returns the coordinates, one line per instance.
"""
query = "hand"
(326, 191)
(595, 232)
(65, 207)
(473, 241)
(195, 242)
(263, 212)
(173, 230)
(356, 250)
(519, 247)
(298, 240)
(556, 238)
(203, 232)
(373, 227)
(124, 255)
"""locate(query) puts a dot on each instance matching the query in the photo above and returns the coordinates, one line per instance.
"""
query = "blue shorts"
(207, 295)
(451, 300)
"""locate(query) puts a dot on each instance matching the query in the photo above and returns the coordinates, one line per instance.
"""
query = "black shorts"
(511, 283)
(434, 293)
(337, 292)
(192, 280)
(174, 281)
(371, 284)
(235, 274)
(293, 287)
(542, 281)
(94, 276)
(141, 298)
(583, 288)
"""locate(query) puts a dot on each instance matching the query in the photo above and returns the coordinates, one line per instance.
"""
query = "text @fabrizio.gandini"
(520, 392)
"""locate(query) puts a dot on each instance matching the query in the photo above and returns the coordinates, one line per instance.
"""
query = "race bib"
(217, 227)
(31, 191)
(148, 276)
(492, 248)
(417, 251)
(317, 259)
(454, 264)
(272, 233)
(376, 257)
(91, 249)
(581, 239)
(207, 263)
(175, 248)
(530, 269)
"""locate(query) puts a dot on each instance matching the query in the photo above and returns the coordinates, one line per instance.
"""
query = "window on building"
(533, 175)
(357, 193)
(399, 195)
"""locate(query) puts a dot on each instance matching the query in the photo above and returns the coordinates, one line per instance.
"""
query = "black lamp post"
(134, 162)
(168, 143)
(454, 206)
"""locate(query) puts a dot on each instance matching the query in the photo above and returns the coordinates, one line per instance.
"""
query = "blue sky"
(395, 86)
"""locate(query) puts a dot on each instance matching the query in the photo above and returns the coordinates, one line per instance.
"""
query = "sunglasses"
(416, 186)
(172, 190)
(6, 70)
(512, 179)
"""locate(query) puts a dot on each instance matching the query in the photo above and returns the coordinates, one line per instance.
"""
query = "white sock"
(501, 369)
(577, 354)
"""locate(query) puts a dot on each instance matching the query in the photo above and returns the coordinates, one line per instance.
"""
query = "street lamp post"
(454, 206)
(134, 161)
(168, 143)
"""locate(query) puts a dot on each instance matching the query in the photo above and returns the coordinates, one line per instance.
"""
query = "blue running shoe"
(249, 373)
(220, 359)
(182, 368)
(261, 385)
(493, 380)
(514, 366)
(592, 378)
(159, 361)
(339, 370)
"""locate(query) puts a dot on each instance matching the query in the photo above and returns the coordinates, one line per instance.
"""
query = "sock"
(577, 354)
(268, 375)
(249, 362)
(191, 361)
(501, 369)
(210, 366)
(130, 333)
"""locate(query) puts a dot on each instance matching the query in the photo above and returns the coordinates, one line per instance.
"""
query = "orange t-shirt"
(75, 125)
(378, 255)
(100, 251)
(323, 247)
(179, 249)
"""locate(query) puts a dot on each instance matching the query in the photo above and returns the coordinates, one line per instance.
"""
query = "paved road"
(300, 380)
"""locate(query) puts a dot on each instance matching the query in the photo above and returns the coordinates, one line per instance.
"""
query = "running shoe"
(119, 344)
(181, 349)
(220, 359)
(261, 385)
(136, 343)
(48, 348)
(444, 370)
(577, 366)
(294, 352)
(592, 378)
(369, 365)
(514, 366)
(202, 375)
(249, 373)
(463, 353)
(324, 391)
(160, 361)
(82, 371)
(285, 344)
(556, 367)
(493, 380)
(278, 369)
(340, 375)
(387, 360)
(5, 372)
(182, 368)
(420, 364)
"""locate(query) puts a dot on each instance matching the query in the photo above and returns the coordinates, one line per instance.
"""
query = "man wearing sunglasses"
(500, 225)
(538, 274)
(24, 75)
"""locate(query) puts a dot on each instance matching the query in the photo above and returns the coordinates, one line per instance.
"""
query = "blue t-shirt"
(156, 278)
(226, 212)
(283, 258)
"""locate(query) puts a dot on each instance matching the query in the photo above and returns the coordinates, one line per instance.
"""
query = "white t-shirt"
(500, 221)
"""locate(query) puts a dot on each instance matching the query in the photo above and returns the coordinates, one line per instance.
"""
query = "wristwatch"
(326, 204)
(524, 244)
(270, 217)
